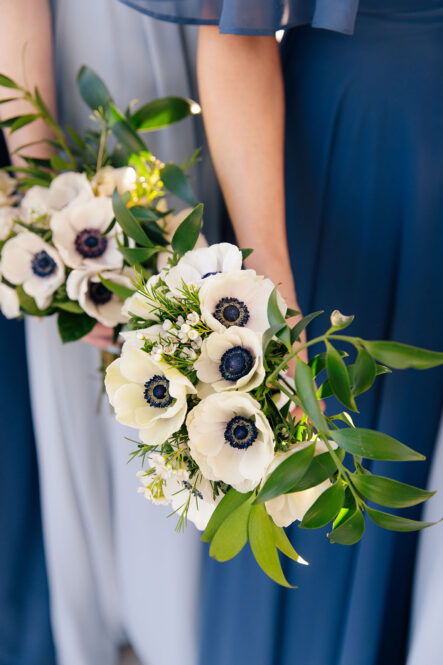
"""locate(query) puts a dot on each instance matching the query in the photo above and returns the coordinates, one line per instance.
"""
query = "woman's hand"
(100, 336)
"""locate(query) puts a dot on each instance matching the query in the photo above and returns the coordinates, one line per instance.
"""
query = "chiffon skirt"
(364, 174)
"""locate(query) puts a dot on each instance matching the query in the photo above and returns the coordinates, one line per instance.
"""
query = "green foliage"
(321, 468)
(232, 535)
(186, 236)
(120, 290)
(74, 326)
(287, 474)
(92, 89)
(246, 252)
(374, 445)
(395, 522)
(28, 304)
(403, 356)
(262, 540)
(350, 530)
(230, 502)
(304, 384)
(339, 377)
(178, 184)
(128, 222)
(161, 113)
(388, 492)
(325, 508)
(301, 325)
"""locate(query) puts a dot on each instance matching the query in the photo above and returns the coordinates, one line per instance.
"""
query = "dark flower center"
(42, 264)
(90, 244)
(209, 274)
(231, 312)
(157, 392)
(192, 489)
(98, 293)
(235, 363)
(241, 432)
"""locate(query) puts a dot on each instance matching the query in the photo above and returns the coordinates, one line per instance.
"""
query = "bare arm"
(241, 92)
(26, 56)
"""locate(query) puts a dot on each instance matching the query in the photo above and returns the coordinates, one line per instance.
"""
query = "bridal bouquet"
(203, 377)
(61, 250)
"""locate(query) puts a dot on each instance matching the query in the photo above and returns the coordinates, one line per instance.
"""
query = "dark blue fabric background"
(25, 634)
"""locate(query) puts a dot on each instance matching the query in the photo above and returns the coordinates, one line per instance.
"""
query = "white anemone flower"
(7, 189)
(288, 508)
(195, 496)
(231, 360)
(8, 216)
(170, 224)
(28, 260)
(35, 202)
(77, 234)
(110, 178)
(148, 395)
(9, 302)
(94, 298)
(68, 189)
(231, 439)
(237, 298)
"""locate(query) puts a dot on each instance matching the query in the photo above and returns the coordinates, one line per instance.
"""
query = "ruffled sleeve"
(254, 17)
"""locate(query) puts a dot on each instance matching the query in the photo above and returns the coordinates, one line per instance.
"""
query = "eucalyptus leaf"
(350, 531)
(161, 113)
(232, 535)
(177, 183)
(395, 522)
(325, 508)
(389, 492)
(287, 474)
(403, 356)
(374, 445)
(74, 326)
(128, 222)
(263, 546)
(339, 377)
(186, 236)
(304, 384)
(230, 502)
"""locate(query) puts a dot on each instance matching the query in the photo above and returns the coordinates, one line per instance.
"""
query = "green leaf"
(284, 545)
(92, 89)
(325, 389)
(373, 445)
(60, 164)
(292, 312)
(275, 315)
(230, 502)
(304, 384)
(262, 540)
(186, 236)
(389, 492)
(325, 508)
(364, 372)
(75, 136)
(6, 82)
(69, 306)
(23, 120)
(178, 183)
(128, 222)
(322, 467)
(395, 522)
(120, 290)
(246, 252)
(28, 304)
(339, 377)
(403, 356)
(301, 325)
(128, 138)
(270, 334)
(287, 474)
(137, 255)
(74, 326)
(318, 362)
(144, 214)
(350, 531)
(161, 113)
(232, 535)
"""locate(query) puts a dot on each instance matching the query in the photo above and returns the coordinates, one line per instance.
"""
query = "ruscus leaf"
(287, 474)
(227, 505)
(232, 535)
(186, 236)
(339, 377)
(325, 508)
(264, 549)
(177, 183)
(403, 356)
(304, 384)
(389, 492)
(395, 522)
(128, 222)
(374, 445)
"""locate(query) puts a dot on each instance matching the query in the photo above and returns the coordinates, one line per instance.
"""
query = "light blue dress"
(118, 572)
(364, 199)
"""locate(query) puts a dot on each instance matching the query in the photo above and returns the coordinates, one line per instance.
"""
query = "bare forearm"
(241, 92)
(26, 56)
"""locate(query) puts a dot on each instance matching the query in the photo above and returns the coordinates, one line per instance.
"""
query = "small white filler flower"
(147, 395)
(231, 360)
(231, 439)
(237, 298)
(28, 260)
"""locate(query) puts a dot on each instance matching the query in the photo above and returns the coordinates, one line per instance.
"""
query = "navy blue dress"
(364, 175)
(25, 633)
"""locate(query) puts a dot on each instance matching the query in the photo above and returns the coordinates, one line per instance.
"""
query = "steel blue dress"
(364, 174)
